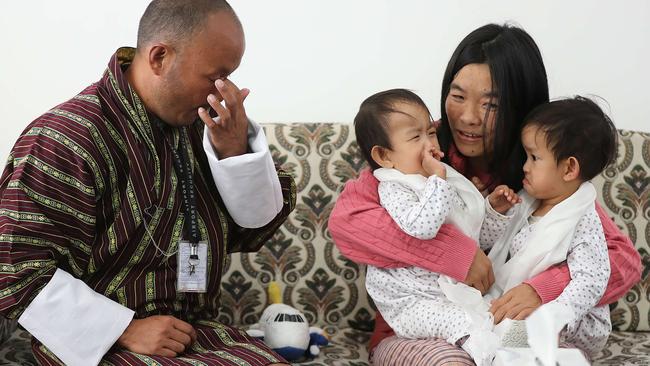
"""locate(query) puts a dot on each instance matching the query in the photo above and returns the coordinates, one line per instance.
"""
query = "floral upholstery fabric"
(313, 276)
(6, 329)
(329, 289)
(624, 191)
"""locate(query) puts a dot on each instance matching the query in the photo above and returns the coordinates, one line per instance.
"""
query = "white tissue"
(543, 327)
(482, 342)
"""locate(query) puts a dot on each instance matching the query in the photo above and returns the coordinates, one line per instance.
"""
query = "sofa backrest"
(330, 290)
(313, 276)
(624, 192)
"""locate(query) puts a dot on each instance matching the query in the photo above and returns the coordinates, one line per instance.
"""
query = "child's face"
(543, 176)
(412, 134)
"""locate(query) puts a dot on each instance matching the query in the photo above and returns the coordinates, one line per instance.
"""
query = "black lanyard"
(183, 167)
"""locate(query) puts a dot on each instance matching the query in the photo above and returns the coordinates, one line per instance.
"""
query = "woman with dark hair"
(508, 63)
(494, 78)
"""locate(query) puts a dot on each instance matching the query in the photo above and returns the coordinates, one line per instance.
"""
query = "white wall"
(317, 60)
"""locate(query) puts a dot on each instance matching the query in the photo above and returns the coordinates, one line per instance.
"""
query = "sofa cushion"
(7, 327)
(17, 350)
(347, 348)
(624, 192)
(625, 348)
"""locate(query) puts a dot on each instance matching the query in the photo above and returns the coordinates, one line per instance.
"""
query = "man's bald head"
(175, 21)
(184, 46)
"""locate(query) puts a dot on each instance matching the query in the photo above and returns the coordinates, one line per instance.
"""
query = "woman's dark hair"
(577, 127)
(519, 80)
(371, 122)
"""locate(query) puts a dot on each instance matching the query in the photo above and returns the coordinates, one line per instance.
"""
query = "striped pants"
(216, 345)
(394, 351)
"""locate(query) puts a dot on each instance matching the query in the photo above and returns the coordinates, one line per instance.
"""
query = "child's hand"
(503, 198)
(482, 187)
(431, 163)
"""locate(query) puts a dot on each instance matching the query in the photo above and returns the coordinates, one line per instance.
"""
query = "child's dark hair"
(371, 122)
(577, 127)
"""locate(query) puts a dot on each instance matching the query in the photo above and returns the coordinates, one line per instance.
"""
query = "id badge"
(192, 272)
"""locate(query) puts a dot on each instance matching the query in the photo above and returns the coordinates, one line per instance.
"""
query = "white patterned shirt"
(588, 263)
(410, 298)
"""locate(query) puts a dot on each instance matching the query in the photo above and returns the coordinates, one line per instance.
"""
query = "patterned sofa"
(329, 289)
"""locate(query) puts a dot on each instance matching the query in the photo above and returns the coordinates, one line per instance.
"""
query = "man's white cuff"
(248, 184)
(74, 322)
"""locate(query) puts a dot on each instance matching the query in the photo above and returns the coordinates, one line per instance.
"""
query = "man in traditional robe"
(106, 198)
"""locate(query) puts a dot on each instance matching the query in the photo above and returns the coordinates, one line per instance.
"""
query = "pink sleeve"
(624, 260)
(365, 233)
(550, 283)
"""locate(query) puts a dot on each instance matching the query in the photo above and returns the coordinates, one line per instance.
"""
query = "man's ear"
(571, 169)
(159, 58)
(381, 157)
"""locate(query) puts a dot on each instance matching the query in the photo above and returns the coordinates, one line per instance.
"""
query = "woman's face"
(471, 107)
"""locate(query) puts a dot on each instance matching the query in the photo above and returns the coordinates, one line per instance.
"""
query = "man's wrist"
(229, 153)
(123, 340)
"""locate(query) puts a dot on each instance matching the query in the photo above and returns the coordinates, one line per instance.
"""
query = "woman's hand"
(517, 303)
(480, 274)
(503, 198)
(482, 187)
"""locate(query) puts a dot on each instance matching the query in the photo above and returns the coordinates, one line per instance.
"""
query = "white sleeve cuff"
(76, 323)
(248, 184)
(489, 210)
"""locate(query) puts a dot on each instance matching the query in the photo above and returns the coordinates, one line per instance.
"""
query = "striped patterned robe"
(79, 187)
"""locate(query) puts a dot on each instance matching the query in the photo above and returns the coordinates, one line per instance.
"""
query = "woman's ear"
(381, 156)
(571, 169)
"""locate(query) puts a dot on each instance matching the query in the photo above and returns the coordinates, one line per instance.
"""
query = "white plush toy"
(286, 331)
